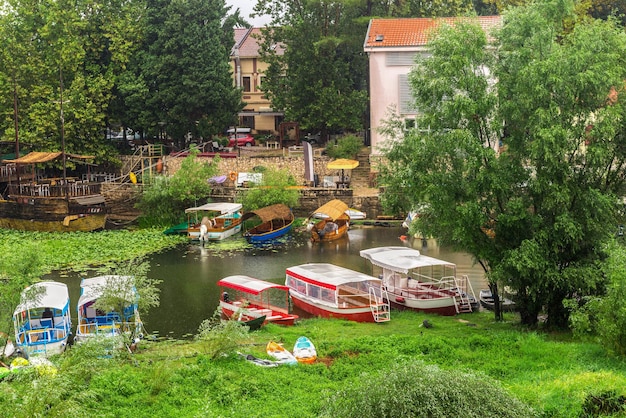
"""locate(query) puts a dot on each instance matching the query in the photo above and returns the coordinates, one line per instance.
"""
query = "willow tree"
(521, 158)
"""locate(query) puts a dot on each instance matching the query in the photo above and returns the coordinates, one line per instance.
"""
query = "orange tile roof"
(413, 32)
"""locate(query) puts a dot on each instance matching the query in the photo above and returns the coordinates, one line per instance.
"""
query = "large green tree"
(536, 214)
(69, 51)
(180, 82)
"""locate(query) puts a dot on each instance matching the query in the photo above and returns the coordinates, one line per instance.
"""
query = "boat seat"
(273, 318)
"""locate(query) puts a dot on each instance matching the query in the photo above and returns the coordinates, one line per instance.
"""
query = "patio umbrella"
(342, 164)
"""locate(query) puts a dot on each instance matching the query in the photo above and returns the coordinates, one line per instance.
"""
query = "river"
(189, 272)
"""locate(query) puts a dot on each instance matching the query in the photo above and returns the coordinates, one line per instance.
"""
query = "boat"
(334, 226)
(354, 214)
(255, 323)
(418, 282)
(213, 221)
(280, 353)
(51, 204)
(259, 361)
(42, 320)
(122, 319)
(487, 301)
(330, 291)
(304, 351)
(275, 221)
(245, 298)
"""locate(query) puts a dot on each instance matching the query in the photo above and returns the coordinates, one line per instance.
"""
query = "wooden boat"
(280, 353)
(245, 298)
(422, 283)
(304, 351)
(116, 320)
(275, 221)
(213, 221)
(334, 226)
(327, 290)
(487, 301)
(53, 204)
(42, 319)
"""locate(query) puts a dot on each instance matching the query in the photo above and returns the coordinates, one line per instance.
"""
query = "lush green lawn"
(173, 378)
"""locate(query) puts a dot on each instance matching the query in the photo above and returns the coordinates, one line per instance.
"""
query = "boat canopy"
(249, 284)
(335, 209)
(401, 259)
(53, 295)
(92, 288)
(43, 157)
(328, 275)
(222, 207)
(269, 213)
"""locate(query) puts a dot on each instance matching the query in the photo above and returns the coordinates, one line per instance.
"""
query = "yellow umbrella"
(342, 164)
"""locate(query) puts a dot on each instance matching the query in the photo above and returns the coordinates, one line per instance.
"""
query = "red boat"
(244, 298)
(327, 290)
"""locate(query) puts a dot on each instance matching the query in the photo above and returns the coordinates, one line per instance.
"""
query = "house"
(392, 45)
(248, 70)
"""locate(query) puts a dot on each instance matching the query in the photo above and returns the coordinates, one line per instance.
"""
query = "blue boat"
(270, 222)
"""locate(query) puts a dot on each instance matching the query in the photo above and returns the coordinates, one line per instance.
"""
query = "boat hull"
(342, 231)
(50, 215)
(229, 310)
(253, 237)
(360, 314)
(441, 305)
(214, 234)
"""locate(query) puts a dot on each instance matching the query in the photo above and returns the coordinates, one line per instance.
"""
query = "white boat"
(42, 320)
(304, 351)
(214, 221)
(327, 290)
(422, 283)
(108, 322)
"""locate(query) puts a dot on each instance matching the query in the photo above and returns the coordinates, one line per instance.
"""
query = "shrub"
(221, 337)
(414, 389)
(347, 147)
(274, 188)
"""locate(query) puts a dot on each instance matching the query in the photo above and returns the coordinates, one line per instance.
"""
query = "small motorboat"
(487, 301)
(304, 351)
(280, 353)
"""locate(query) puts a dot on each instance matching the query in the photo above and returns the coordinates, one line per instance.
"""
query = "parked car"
(243, 140)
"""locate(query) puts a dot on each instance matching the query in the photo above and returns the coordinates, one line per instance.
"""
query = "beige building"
(248, 71)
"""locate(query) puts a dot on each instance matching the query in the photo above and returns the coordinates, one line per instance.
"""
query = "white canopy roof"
(401, 259)
(92, 288)
(329, 275)
(53, 295)
(249, 284)
(222, 207)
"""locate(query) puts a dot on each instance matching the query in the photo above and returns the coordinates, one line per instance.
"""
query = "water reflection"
(189, 273)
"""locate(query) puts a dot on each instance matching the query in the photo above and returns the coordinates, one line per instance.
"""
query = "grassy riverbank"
(548, 372)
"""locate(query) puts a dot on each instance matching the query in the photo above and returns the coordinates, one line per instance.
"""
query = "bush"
(347, 147)
(414, 389)
(274, 188)
(220, 337)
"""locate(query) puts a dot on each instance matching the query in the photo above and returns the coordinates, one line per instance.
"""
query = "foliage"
(221, 337)
(346, 147)
(604, 317)
(165, 199)
(180, 80)
(65, 51)
(413, 388)
(503, 168)
(275, 188)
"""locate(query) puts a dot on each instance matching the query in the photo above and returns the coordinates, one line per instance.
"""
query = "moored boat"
(42, 320)
(122, 319)
(245, 298)
(335, 223)
(271, 222)
(488, 302)
(422, 283)
(354, 214)
(51, 204)
(213, 221)
(328, 290)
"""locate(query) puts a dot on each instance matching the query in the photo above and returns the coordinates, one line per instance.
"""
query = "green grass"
(548, 372)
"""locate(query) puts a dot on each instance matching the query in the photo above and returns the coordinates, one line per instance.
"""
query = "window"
(405, 96)
(246, 84)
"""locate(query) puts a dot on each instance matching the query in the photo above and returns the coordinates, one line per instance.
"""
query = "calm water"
(189, 273)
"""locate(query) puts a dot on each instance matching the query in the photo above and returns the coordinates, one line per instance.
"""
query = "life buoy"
(159, 166)
(232, 176)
